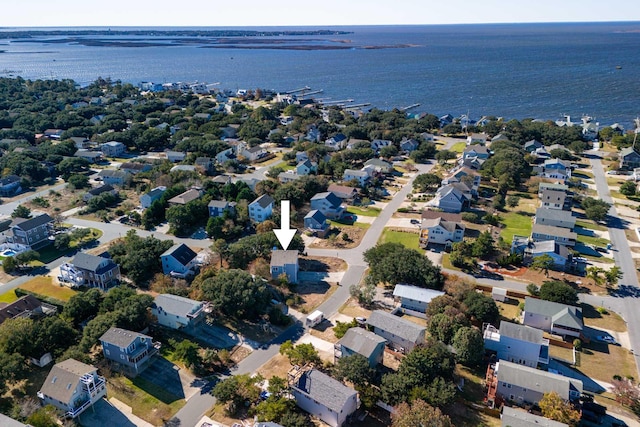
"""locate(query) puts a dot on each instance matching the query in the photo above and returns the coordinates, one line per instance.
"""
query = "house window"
(122, 356)
(107, 352)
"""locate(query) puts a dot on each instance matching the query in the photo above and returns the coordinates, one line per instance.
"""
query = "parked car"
(607, 339)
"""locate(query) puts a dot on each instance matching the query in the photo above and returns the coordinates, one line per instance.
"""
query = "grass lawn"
(509, 309)
(366, 211)
(48, 254)
(446, 263)
(592, 240)
(515, 224)
(610, 321)
(459, 147)
(43, 285)
(8, 297)
(355, 224)
(602, 259)
(601, 361)
(409, 240)
(147, 400)
(581, 173)
(590, 226)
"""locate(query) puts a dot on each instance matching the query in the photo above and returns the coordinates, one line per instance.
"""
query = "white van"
(314, 318)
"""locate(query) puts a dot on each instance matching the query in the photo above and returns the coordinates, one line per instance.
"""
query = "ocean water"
(513, 71)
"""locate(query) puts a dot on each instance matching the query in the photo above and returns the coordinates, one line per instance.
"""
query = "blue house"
(179, 261)
(284, 262)
(129, 352)
(316, 222)
(147, 199)
(219, 207)
(10, 185)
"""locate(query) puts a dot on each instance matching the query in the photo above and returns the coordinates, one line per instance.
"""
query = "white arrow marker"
(285, 234)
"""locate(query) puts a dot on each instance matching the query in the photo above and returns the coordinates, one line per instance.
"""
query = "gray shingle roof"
(31, 223)
(416, 293)
(279, 258)
(552, 186)
(121, 337)
(561, 314)
(181, 252)
(220, 204)
(86, 261)
(63, 379)
(174, 304)
(325, 390)
(99, 190)
(263, 201)
(112, 173)
(513, 417)
(555, 214)
(186, 197)
(550, 230)
(361, 341)
(536, 380)
(330, 197)
(10, 422)
(396, 325)
(521, 332)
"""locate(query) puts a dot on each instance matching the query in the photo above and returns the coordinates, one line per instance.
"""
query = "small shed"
(499, 294)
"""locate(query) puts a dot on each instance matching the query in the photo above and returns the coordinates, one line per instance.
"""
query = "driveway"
(217, 336)
(320, 276)
(105, 414)
(171, 378)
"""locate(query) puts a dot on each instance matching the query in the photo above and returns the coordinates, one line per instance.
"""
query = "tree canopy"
(236, 294)
(557, 291)
(392, 263)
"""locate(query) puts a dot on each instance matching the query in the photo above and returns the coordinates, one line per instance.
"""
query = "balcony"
(491, 333)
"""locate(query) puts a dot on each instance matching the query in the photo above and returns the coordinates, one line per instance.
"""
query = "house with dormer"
(128, 351)
(329, 204)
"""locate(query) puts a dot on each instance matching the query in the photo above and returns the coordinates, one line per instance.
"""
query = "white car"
(612, 172)
(606, 338)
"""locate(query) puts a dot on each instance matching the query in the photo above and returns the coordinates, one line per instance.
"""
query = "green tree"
(482, 308)
(236, 294)
(187, 351)
(61, 242)
(559, 292)
(341, 328)
(419, 413)
(43, 417)
(8, 265)
(613, 275)
(594, 272)
(595, 209)
(443, 156)
(483, 246)
(77, 182)
(12, 368)
(392, 263)
(221, 248)
(355, 369)
(363, 292)
(628, 188)
(543, 263)
(533, 289)
(21, 211)
(426, 182)
(300, 354)
(443, 326)
(469, 346)
(557, 409)
(139, 258)
(24, 258)
(83, 305)
(513, 200)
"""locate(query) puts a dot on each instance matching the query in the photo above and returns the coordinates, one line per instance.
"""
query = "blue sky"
(308, 12)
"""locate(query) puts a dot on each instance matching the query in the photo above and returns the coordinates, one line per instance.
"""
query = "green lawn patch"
(365, 211)
(515, 224)
(43, 285)
(602, 259)
(593, 240)
(409, 240)
(582, 174)
(590, 226)
(8, 297)
(446, 263)
(459, 147)
(49, 253)
(344, 224)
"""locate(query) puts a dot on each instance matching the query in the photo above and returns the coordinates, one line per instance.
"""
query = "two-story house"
(183, 198)
(284, 262)
(563, 236)
(555, 199)
(377, 144)
(88, 155)
(409, 145)
(555, 218)
(113, 148)
(553, 317)
(135, 167)
(517, 343)
(450, 198)
(32, 233)
(72, 387)
(147, 199)
(10, 185)
(114, 177)
(175, 156)
(552, 186)
(261, 208)
(470, 177)
(560, 254)
(217, 208)
(377, 165)
(476, 151)
(344, 192)
(362, 342)
(555, 169)
(179, 261)
(441, 232)
(477, 139)
(316, 222)
(329, 204)
(176, 312)
(358, 175)
(401, 334)
(206, 164)
(322, 396)
(254, 153)
(306, 167)
(90, 270)
(629, 158)
(129, 352)
(414, 298)
(532, 145)
(336, 142)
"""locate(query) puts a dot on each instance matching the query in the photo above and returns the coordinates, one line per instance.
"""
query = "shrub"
(577, 344)
(471, 217)
(602, 310)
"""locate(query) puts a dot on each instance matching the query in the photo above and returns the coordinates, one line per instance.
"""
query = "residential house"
(179, 261)
(409, 145)
(90, 156)
(344, 192)
(553, 317)
(135, 167)
(183, 168)
(555, 199)
(401, 334)
(10, 185)
(97, 191)
(517, 343)
(203, 116)
(32, 233)
(629, 158)
(313, 134)
(414, 298)
(322, 396)
(359, 175)
(316, 222)
(477, 151)
(540, 232)
(147, 199)
(176, 312)
(301, 156)
(378, 165)
(221, 179)
(470, 177)
(552, 186)
(113, 149)
(129, 352)
(472, 162)
(284, 262)
(559, 253)
(449, 198)
(254, 153)
(362, 342)
(53, 133)
(336, 142)
(288, 176)
(440, 231)
(428, 137)
(26, 306)
(207, 164)
(329, 204)
(186, 197)
(114, 177)
(225, 156)
(524, 385)
(512, 417)
(477, 138)
(261, 208)
(532, 146)
(175, 156)
(555, 218)
(72, 387)
(217, 208)
(90, 270)
(498, 137)
(555, 169)
(377, 144)
(306, 167)
(447, 216)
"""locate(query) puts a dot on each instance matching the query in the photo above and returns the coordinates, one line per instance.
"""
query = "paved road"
(9, 207)
(626, 297)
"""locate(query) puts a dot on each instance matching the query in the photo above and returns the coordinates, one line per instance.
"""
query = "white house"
(261, 208)
(441, 232)
(555, 169)
(322, 396)
(148, 198)
(179, 261)
(553, 317)
(177, 312)
(254, 153)
(113, 148)
(477, 138)
(359, 175)
(517, 343)
(414, 298)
